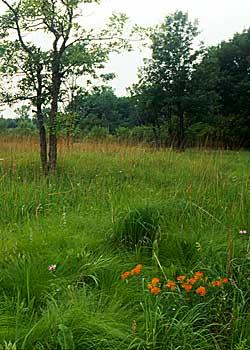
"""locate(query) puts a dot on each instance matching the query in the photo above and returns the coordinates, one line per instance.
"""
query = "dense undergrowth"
(65, 240)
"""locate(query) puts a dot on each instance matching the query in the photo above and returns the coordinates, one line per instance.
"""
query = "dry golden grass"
(10, 146)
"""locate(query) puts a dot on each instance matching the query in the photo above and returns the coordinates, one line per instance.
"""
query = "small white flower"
(52, 267)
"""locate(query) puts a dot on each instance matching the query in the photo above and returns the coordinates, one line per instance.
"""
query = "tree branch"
(16, 20)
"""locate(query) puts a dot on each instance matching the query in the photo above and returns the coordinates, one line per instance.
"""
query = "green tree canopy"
(102, 108)
(164, 81)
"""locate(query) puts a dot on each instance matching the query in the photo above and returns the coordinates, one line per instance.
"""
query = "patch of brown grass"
(11, 146)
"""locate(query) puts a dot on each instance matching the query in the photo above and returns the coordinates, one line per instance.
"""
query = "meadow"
(100, 255)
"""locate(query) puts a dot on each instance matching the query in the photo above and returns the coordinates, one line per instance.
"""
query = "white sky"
(218, 20)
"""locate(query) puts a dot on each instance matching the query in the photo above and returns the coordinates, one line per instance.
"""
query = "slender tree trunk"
(40, 121)
(52, 146)
(43, 142)
(56, 82)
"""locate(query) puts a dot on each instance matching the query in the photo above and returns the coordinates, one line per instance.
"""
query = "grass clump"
(139, 227)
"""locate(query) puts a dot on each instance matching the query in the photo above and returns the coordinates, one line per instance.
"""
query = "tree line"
(186, 87)
(186, 94)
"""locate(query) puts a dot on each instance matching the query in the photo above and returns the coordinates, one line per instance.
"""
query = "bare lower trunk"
(56, 82)
(41, 126)
(52, 151)
(52, 141)
(43, 146)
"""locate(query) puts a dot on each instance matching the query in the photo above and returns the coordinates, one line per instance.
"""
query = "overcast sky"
(218, 20)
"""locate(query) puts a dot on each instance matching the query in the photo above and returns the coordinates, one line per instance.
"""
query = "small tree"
(42, 73)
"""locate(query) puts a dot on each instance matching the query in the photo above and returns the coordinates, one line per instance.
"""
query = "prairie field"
(79, 249)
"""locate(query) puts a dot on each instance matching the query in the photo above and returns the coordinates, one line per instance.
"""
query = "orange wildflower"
(181, 278)
(150, 286)
(125, 275)
(201, 291)
(171, 285)
(225, 280)
(198, 275)
(187, 287)
(217, 283)
(136, 270)
(192, 280)
(155, 281)
(155, 290)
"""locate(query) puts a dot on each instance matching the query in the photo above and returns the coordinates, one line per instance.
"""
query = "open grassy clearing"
(192, 205)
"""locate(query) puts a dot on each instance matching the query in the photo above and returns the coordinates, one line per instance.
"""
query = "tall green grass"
(189, 207)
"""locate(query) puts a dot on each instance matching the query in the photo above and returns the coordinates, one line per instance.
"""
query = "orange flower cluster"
(220, 282)
(192, 280)
(155, 290)
(134, 272)
(181, 278)
(201, 291)
(125, 275)
(155, 281)
(137, 270)
(198, 275)
(196, 283)
(188, 283)
(153, 286)
(171, 285)
(187, 287)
